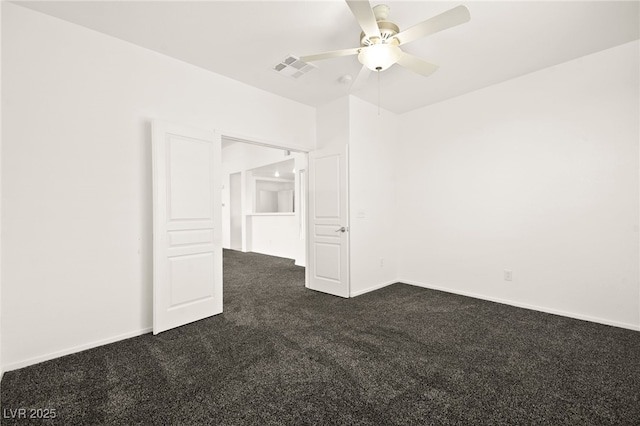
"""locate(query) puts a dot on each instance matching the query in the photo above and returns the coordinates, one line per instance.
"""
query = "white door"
(328, 222)
(187, 243)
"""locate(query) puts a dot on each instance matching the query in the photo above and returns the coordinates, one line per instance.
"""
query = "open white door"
(328, 260)
(187, 242)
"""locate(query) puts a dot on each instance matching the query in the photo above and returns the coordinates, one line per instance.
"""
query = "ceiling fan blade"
(451, 18)
(361, 79)
(332, 54)
(363, 13)
(416, 64)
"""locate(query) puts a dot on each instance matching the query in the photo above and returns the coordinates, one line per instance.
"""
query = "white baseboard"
(369, 289)
(635, 327)
(75, 349)
(79, 348)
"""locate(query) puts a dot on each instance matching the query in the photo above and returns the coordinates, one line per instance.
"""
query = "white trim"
(232, 136)
(635, 327)
(75, 349)
(373, 288)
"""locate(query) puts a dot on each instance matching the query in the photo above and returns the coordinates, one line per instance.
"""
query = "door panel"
(187, 249)
(190, 178)
(328, 261)
(189, 278)
(329, 236)
(327, 187)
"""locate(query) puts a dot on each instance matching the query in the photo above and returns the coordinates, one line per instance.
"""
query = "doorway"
(192, 215)
(264, 199)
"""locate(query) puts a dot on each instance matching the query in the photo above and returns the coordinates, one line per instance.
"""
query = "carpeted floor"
(281, 354)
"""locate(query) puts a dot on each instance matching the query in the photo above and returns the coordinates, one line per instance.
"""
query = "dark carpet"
(281, 354)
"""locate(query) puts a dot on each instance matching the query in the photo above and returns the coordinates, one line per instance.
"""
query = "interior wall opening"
(264, 196)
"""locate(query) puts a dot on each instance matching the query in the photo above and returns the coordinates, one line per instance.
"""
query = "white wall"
(274, 234)
(332, 121)
(372, 141)
(538, 175)
(373, 144)
(76, 175)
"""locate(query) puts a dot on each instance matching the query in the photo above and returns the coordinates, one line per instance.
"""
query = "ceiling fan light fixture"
(379, 57)
(380, 39)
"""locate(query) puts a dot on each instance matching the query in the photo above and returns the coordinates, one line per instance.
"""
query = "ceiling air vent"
(293, 67)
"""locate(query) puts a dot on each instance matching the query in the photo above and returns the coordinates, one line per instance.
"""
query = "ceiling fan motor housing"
(388, 30)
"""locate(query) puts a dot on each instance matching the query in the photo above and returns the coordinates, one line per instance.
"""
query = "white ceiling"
(284, 168)
(244, 40)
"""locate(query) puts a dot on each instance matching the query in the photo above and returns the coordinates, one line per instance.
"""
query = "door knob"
(342, 229)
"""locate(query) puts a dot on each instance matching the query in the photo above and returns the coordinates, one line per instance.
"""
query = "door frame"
(235, 207)
(287, 147)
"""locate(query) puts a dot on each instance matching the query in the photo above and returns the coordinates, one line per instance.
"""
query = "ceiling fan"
(381, 39)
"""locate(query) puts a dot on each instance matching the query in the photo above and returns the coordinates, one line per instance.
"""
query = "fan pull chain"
(378, 91)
